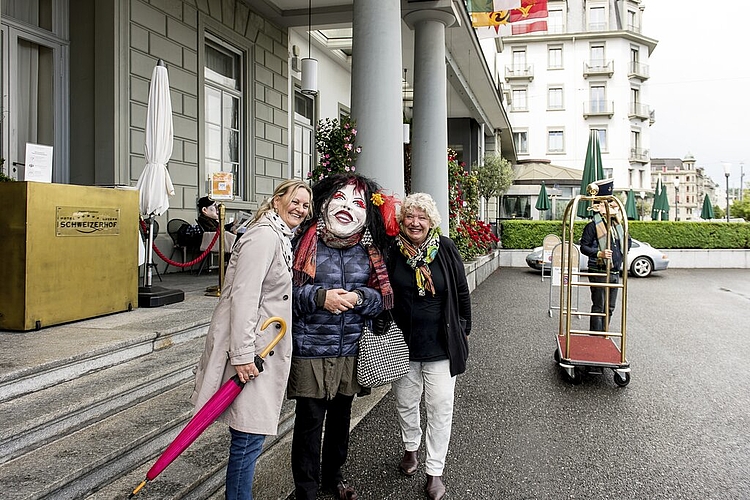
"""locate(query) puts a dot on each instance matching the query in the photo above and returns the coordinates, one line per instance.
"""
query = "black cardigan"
(457, 311)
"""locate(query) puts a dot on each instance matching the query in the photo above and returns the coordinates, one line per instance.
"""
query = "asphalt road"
(678, 431)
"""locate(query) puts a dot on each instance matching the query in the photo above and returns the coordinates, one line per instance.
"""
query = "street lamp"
(676, 194)
(727, 170)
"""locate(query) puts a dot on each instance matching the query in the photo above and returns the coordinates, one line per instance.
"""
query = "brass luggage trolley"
(582, 351)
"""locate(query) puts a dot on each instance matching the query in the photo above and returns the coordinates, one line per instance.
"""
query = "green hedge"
(523, 234)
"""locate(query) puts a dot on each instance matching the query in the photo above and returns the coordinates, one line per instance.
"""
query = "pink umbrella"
(208, 412)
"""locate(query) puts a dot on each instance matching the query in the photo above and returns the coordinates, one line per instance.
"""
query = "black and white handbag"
(383, 354)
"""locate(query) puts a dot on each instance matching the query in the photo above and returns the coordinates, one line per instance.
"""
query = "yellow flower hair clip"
(377, 199)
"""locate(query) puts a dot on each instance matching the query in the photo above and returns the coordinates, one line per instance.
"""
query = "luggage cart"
(580, 350)
(559, 276)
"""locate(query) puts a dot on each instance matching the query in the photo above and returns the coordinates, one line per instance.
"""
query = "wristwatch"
(360, 297)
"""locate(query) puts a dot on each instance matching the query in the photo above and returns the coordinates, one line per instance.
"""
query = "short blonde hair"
(420, 201)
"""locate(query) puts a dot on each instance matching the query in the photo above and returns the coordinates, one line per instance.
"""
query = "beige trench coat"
(257, 286)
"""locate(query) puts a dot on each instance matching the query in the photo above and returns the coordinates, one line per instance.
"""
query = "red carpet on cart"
(591, 349)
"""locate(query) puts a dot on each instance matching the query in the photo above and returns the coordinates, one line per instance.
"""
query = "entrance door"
(33, 109)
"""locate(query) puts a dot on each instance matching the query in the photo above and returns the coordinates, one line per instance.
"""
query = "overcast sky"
(700, 83)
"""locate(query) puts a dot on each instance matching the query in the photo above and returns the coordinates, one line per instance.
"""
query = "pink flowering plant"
(335, 144)
(472, 236)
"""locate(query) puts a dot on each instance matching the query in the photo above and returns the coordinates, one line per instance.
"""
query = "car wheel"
(641, 267)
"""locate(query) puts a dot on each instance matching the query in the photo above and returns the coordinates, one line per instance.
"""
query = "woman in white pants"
(433, 309)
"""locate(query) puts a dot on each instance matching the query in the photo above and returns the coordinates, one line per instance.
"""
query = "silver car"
(643, 259)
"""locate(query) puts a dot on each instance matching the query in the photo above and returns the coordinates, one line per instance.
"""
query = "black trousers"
(596, 323)
(306, 442)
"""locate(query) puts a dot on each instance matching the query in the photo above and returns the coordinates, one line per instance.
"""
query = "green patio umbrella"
(631, 211)
(655, 210)
(664, 203)
(542, 202)
(592, 171)
(707, 212)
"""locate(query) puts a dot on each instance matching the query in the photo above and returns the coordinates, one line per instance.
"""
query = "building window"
(554, 58)
(304, 135)
(521, 140)
(633, 24)
(597, 56)
(555, 20)
(224, 121)
(598, 97)
(555, 98)
(597, 19)
(37, 13)
(602, 136)
(519, 61)
(555, 141)
(519, 102)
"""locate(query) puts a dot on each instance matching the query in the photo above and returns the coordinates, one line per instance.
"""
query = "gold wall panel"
(68, 253)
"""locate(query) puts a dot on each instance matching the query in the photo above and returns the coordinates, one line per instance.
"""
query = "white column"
(376, 91)
(429, 170)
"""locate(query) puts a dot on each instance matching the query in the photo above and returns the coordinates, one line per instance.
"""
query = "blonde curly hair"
(420, 201)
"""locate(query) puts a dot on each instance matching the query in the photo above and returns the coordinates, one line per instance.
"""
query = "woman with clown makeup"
(339, 282)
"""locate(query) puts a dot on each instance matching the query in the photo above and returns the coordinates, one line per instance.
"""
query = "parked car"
(643, 259)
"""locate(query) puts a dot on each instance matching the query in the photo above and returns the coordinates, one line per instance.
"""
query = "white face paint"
(346, 212)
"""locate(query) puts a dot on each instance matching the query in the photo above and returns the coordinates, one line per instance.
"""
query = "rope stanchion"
(182, 264)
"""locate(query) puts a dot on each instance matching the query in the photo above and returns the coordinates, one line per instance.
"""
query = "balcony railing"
(519, 72)
(638, 110)
(598, 108)
(634, 28)
(598, 67)
(638, 70)
(639, 155)
(597, 27)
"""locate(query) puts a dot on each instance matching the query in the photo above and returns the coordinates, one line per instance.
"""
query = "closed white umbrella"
(154, 184)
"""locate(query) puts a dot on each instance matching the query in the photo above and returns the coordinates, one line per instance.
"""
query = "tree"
(494, 177)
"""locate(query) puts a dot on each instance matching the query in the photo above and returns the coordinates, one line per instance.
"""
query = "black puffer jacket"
(316, 333)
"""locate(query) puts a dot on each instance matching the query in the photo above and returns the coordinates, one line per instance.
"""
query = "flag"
(523, 28)
(479, 6)
(497, 18)
(530, 9)
(498, 5)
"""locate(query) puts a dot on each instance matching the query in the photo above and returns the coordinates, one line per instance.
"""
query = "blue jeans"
(243, 453)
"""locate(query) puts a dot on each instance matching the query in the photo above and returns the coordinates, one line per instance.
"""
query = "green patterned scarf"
(419, 258)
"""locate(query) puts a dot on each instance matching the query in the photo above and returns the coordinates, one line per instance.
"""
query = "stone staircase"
(90, 427)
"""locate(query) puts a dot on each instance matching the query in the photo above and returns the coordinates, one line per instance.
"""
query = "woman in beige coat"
(258, 285)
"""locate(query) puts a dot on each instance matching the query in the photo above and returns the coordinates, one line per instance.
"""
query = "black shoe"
(342, 491)
(409, 463)
(434, 488)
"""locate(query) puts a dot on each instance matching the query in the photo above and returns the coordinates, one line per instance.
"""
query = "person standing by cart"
(602, 254)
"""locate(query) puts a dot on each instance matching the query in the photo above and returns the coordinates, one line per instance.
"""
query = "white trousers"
(434, 379)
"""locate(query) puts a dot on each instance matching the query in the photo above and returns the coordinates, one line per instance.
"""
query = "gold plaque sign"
(76, 221)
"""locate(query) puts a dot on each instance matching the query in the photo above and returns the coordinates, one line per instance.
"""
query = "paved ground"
(679, 430)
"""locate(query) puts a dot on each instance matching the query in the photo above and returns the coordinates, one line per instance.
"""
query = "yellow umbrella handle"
(269, 347)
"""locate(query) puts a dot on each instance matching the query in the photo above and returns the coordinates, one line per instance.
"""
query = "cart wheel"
(575, 379)
(620, 381)
(557, 355)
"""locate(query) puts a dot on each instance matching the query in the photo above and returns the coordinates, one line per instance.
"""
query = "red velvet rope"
(180, 264)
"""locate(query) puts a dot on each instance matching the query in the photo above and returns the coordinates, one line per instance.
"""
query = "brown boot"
(434, 488)
(409, 463)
